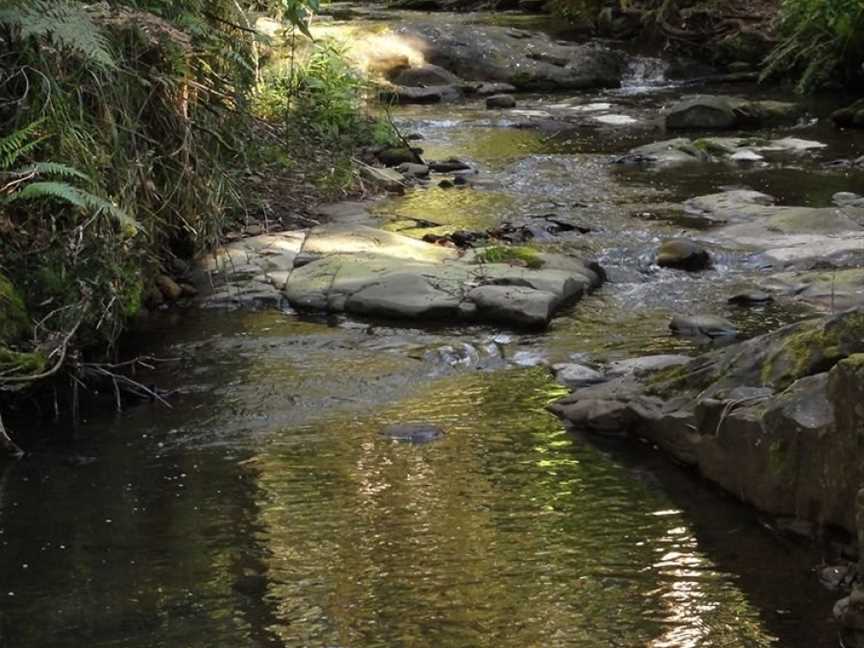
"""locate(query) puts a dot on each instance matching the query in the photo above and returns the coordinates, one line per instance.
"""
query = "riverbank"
(558, 230)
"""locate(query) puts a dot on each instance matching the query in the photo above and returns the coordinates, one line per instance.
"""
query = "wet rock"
(393, 157)
(486, 89)
(683, 254)
(750, 298)
(492, 54)
(372, 272)
(576, 375)
(411, 170)
(671, 151)
(847, 199)
(417, 95)
(517, 304)
(449, 165)
(739, 149)
(723, 113)
(446, 184)
(850, 117)
(768, 419)
(501, 101)
(709, 326)
(835, 577)
(788, 236)
(426, 75)
(387, 179)
(387, 64)
(828, 290)
(169, 288)
(413, 432)
(645, 364)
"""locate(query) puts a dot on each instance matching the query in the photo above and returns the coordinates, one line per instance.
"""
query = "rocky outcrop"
(725, 113)
(371, 272)
(789, 237)
(350, 268)
(525, 60)
(709, 149)
(775, 420)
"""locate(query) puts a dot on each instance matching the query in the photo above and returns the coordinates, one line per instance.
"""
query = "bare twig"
(7, 444)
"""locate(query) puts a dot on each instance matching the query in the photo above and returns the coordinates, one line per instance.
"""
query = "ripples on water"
(508, 532)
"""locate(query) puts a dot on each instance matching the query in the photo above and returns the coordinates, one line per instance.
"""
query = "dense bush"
(821, 41)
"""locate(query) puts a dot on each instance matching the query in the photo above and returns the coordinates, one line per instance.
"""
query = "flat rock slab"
(722, 112)
(522, 59)
(372, 272)
(788, 236)
(707, 149)
(826, 290)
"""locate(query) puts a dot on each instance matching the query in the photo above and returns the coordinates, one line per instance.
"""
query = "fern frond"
(53, 169)
(44, 190)
(66, 24)
(15, 145)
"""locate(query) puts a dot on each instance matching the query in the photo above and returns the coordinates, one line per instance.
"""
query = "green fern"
(16, 145)
(66, 24)
(24, 187)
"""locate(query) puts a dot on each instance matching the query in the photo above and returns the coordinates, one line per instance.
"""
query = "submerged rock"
(576, 375)
(710, 326)
(413, 432)
(501, 101)
(683, 254)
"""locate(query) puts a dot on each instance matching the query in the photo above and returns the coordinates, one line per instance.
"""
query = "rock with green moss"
(778, 420)
(720, 112)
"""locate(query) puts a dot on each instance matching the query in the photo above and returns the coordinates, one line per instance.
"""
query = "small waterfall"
(643, 74)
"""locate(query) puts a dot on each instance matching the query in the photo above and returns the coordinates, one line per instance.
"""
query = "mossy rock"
(516, 254)
(814, 349)
(14, 320)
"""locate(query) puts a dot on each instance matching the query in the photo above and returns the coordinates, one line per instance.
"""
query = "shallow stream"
(266, 508)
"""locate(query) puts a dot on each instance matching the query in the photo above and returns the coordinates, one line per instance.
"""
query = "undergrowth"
(128, 134)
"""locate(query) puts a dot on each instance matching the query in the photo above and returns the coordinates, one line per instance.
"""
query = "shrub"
(821, 40)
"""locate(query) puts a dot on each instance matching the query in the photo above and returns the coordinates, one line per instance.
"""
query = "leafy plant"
(821, 40)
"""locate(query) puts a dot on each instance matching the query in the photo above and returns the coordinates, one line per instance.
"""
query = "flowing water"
(267, 509)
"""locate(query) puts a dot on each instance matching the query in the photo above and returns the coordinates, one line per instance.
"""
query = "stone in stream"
(388, 179)
(415, 95)
(411, 170)
(721, 112)
(413, 432)
(644, 364)
(486, 89)
(709, 326)
(492, 54)
(501, 101)
(426, 75)
(851, 116)
(575, 375)
(847, 199)
(750, 298)
(372, 272)
(769, 419)
(827, 290)
(449, 165)
(706, 149)
(395, 156)
(683, 254)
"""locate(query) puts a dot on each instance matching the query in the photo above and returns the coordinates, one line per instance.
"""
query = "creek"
(265, 508)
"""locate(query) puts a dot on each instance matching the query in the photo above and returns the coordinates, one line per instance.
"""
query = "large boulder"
(399, 94)
(515, 57)
(774, 420)
(721, 112)
(683, 254)
(426, 75)
(851, 116)
(737, 149)
(372, 272)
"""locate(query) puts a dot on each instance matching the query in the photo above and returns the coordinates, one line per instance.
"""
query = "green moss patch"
(14, 321)
(516, 254)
